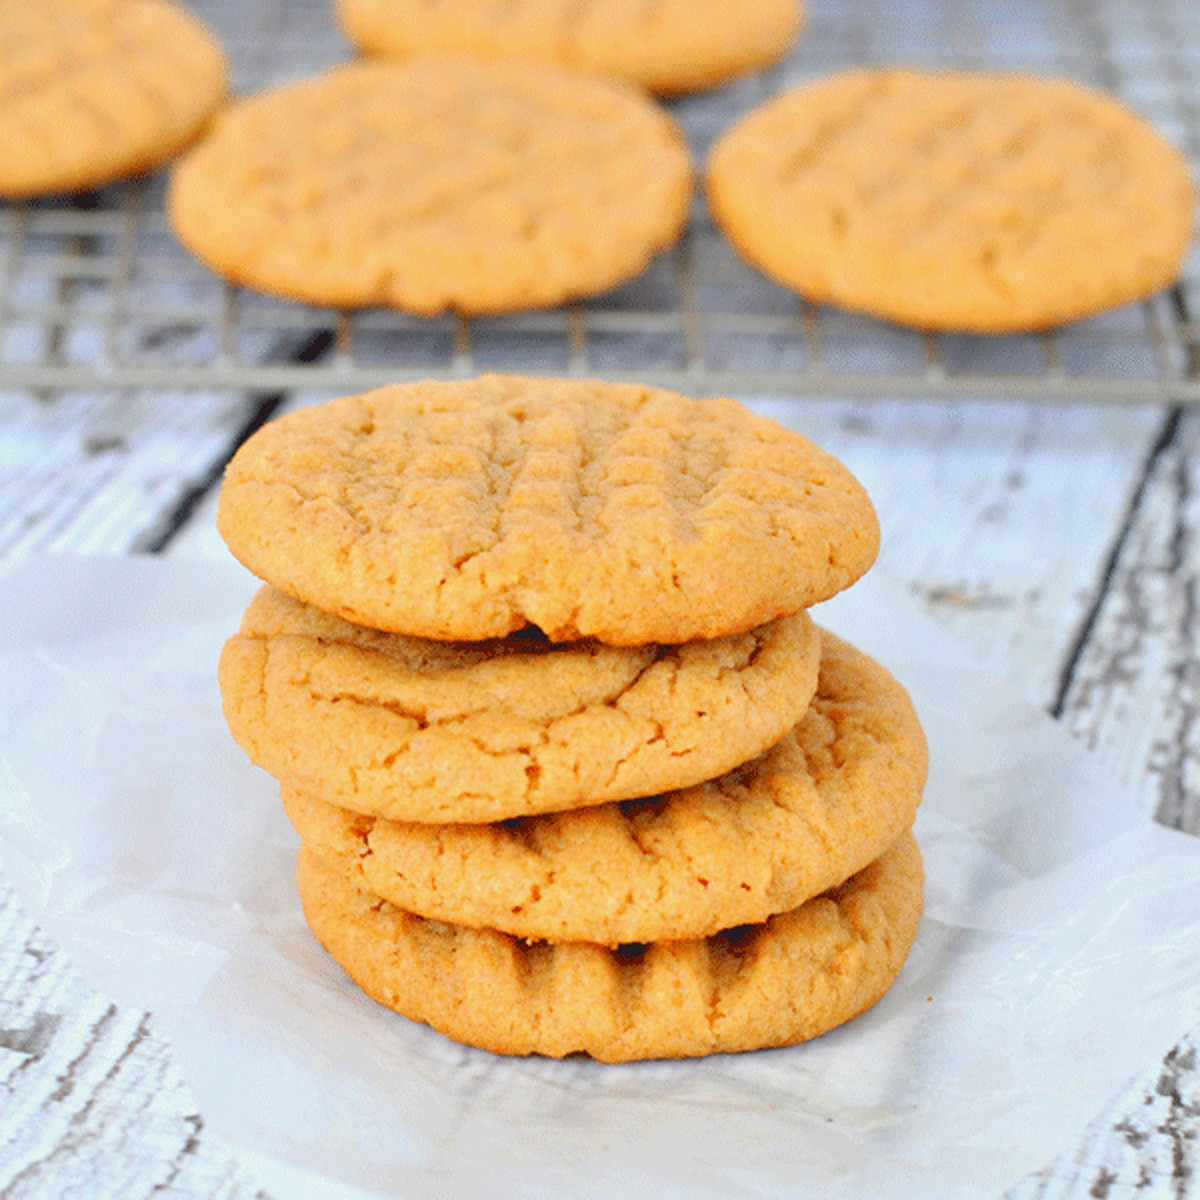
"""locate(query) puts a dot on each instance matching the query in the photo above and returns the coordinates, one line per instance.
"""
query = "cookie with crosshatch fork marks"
(471, 509)
(955, 200)
(789, 979)
(825, 799)
(435, 185)
(426, 730)
(92, 91)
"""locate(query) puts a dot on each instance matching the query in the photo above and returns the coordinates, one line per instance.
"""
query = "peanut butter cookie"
(468, 510)
(480, 731)
(954, 201)
(666, 46)
(785, 981)
(92, 91)
(435, 185)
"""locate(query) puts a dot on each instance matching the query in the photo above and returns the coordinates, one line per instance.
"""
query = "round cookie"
(435, 185)
(481, 731)
(954, 201)
(827, 799)
(794, 977)
(467, 510)
(667, 47)
(92, 91)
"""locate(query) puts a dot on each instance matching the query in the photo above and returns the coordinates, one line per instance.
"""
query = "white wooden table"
(1041, 518)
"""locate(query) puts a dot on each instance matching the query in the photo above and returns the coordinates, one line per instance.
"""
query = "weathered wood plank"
(107, 473)
(1139, 667)
(90, 1103)
(1130, 692)
(1143, 1143)
(1062, 544)
(997, 517)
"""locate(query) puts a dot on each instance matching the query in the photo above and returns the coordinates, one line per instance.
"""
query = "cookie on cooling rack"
(435, 185)
(482, 731)
(787, 980)
(954, 201)
(667, 47)
(93, 91)
(471, 509)
(828, 798)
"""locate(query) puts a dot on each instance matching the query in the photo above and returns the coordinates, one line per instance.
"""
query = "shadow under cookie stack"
(572, 768)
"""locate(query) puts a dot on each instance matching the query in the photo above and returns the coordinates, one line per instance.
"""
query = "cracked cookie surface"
(435, 185)
(956, 201)
(468, 510)
(790, 979)
(92, 91)
(481, 731)
(830, 796)
(666, 46)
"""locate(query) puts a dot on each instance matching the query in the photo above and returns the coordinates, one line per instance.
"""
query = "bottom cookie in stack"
(784, 981)
(760, 908)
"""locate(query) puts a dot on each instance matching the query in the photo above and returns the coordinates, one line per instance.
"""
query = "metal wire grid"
(95, 292)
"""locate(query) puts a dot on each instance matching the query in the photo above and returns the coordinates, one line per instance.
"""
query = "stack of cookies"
(572, 767)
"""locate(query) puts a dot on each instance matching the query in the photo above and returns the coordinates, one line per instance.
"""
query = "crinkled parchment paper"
(1059, 954)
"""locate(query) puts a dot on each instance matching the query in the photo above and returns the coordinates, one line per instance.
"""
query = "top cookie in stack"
(572, 768)
(469, 510)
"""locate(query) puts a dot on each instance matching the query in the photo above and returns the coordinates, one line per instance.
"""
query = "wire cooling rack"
(95, 291)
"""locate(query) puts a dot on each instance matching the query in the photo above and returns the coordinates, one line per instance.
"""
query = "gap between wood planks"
(263, 406)
(1162, 444)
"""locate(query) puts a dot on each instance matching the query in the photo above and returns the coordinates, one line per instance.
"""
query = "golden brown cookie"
(480, 731)
(827, 799)
(467, 510)
(434, 185)
(96, 90)
(788, 980)
(666, 46)
(955, 201)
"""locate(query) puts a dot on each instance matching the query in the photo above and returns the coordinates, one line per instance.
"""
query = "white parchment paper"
(1059, 953)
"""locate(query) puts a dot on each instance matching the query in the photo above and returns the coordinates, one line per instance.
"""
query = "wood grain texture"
(1138, 665)
(109, 473)
(1141, 1144)
(998, 518)
(1062, 545)
(90, 1104)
